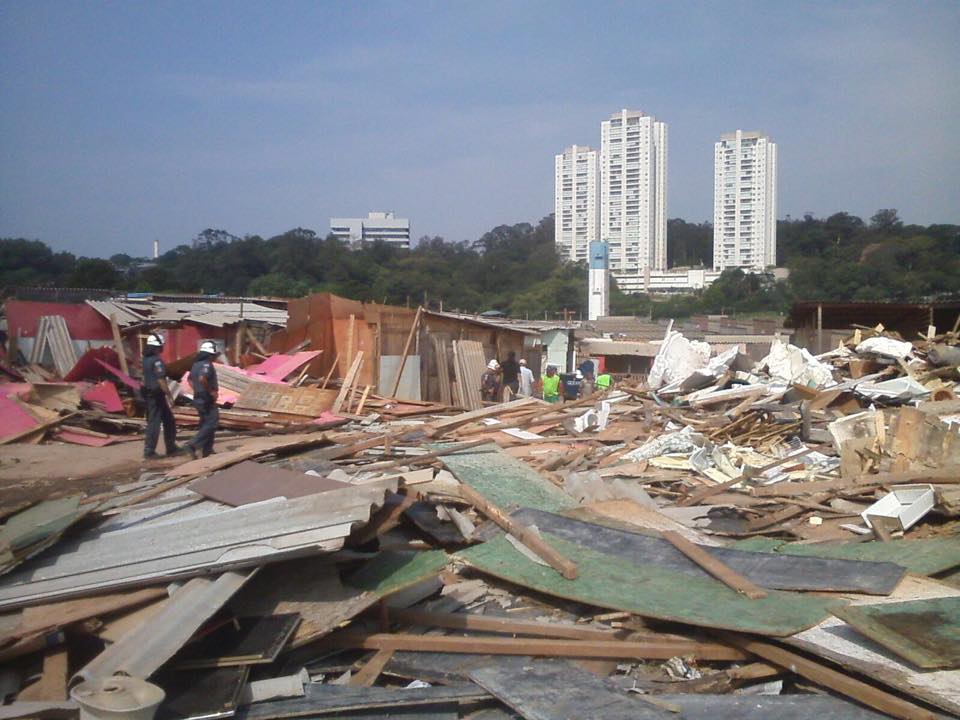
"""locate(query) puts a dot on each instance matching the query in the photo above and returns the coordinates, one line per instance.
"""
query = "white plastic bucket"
(117, 698)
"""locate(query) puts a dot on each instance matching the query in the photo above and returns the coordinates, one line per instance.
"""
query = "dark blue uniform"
(204, 402)
(158, 411)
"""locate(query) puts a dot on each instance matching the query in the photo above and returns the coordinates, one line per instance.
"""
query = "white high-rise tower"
(633, 195)
(745, 201)
(576, 201)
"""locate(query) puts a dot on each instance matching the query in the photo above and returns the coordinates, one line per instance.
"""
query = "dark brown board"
(250, 482)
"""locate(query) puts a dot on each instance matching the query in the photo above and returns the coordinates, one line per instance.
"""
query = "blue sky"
(125, 121)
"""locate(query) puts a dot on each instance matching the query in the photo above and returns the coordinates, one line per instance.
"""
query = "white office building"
(576, 201)
(633, 195)
(745, 201)
(375, 226)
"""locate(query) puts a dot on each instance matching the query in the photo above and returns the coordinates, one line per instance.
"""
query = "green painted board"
(609, 581)
(925, 632)
(927, 556)
(506, 481)
(391, 572)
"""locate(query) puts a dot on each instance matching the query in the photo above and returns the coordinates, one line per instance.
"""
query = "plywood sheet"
(281, 398)
(925, 632)
(612, 581)
(558, 690)
(769, 570)
(409, 388)
(250, 482)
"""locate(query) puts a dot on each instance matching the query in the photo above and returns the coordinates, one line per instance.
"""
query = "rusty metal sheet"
(925, 632)
(250, 482)
(278, 398)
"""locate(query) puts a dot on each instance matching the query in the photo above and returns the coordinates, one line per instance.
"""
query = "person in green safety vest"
(551, 385)
(604, 381)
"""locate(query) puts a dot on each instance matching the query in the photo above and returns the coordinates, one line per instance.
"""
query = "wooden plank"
(438, 427)
(529, 538)
(715, 567)
(836, 681)
(348, 381)
(925, 632)
(36, 428)
(559, 690)
(369, 673)
(484, 623)
(333, 366)
(615, 582)
(118, 343)
(406, 350)
(52, 685)
(537, 647)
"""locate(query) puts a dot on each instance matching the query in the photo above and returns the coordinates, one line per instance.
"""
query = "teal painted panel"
(391, 572)
(611, 582)
(925, 632)
(505, 481)
(926, 556)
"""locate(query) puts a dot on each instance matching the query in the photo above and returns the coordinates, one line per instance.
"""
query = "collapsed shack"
(729, 538)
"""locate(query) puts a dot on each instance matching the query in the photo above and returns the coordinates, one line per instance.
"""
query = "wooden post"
(406, 350)
(118, 343)
(350, 331)
(333, 367)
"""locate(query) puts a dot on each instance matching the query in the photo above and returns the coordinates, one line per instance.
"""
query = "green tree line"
(514, 268)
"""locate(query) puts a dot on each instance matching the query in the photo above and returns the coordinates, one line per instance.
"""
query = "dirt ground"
(29, 473)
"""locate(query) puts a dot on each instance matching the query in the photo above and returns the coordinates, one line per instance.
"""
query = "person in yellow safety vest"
(551, 385)
(604, 381)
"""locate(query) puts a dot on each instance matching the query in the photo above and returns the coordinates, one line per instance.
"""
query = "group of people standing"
(158, 400)
(515, 375)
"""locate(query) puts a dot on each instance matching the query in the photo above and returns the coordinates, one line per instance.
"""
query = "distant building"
(745, 201)
(576, 201)
(633, 195)
(375, 226)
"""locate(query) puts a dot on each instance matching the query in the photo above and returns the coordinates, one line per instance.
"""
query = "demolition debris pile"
(728, 539)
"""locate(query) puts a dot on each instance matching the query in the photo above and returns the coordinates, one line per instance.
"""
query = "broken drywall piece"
(904, 506)
(885, 346)
(790, 365)
(677, 359)
(903, 389)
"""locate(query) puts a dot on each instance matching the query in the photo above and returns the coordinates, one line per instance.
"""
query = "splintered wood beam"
(484, 623)
(836, 681)
(715, 567)
(524, 534)
(538, 647)
(333, 366)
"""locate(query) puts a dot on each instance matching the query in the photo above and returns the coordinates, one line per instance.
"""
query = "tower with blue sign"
(598, 298)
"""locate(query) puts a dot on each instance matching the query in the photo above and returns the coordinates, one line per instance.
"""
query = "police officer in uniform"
(203, 380)
(158, 400)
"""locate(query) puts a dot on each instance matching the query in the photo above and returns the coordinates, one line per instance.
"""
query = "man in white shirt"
(526, 380)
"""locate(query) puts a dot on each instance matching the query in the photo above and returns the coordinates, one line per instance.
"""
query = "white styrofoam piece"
(904, 503)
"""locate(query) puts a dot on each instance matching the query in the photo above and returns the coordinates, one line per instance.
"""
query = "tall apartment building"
(576, 201)
(633, 195)
(745, 201)
(375, 226)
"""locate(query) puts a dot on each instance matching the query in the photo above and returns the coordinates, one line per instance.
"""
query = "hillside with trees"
(513, 268)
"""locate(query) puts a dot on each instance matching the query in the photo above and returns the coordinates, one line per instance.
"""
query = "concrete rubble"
(723, 538)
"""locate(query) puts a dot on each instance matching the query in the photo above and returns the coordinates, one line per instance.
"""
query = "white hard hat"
(579, 375)
(522, 361)
(155, 340)
(493, 364)
(208, 346)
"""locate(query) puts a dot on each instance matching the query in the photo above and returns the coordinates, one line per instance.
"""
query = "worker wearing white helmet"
(158, 400)
(206, 389)
(490, 382)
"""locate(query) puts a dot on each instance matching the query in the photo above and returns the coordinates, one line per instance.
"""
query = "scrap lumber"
(333, 366)
(438, 427)
(715, 567)
(371, 670)
(52, 684)
(484, 623)
(835, 680)
(537, 647)
(40, 428)
(348, 381)
(118, 344)
(528, 537)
